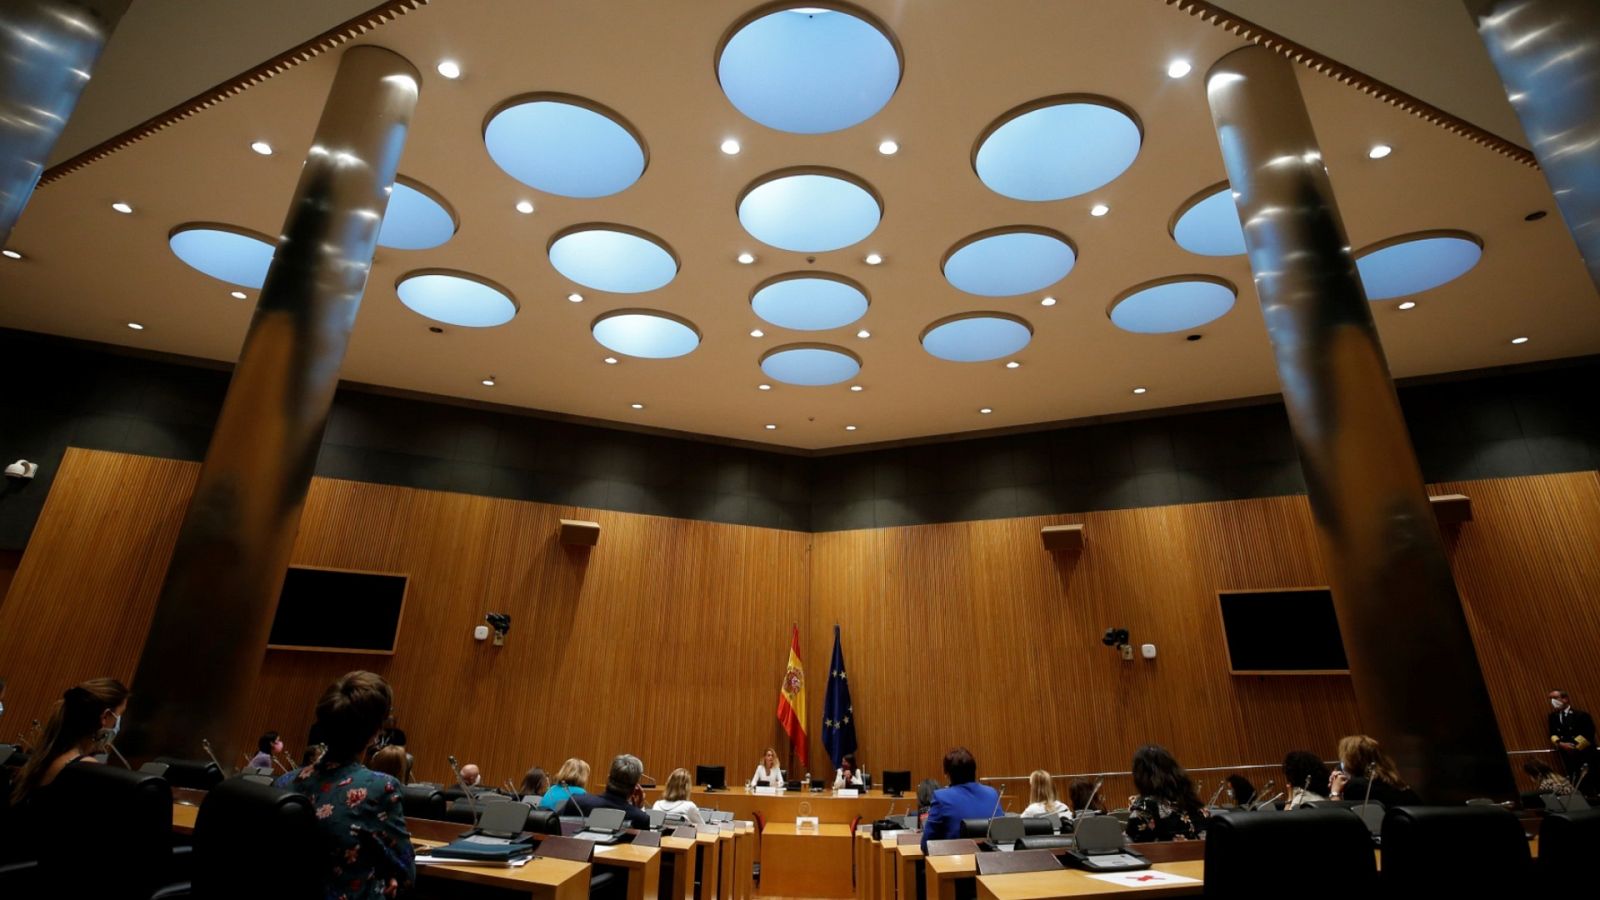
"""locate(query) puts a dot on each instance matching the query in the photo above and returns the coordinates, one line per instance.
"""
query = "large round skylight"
(1057, 148)
(456, 298)
(809, 211)
(645, 333)
(1172, 304)
(416, 219)
(1010, 261)
(1413, 263)
(810, 365)
(613, 258)
(564, 145)
(805, 301)
(809, 70)
(1209, 223)
(226, 253)
(976, 337)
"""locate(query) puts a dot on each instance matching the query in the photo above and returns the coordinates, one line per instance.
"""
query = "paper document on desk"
(518, 862)
(1146, 878)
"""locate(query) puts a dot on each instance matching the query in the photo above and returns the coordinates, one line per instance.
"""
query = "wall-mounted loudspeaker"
(1062, 537)
(580, 533)
(1452, 509)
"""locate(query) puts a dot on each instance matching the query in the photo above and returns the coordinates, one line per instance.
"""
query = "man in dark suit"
(622, 792)
(965, 798)
(1571, 733)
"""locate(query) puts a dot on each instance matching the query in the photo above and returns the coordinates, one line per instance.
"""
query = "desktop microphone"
(1088, 804)
(1371, 768)
(105, 737)
(987, 832)
(471, 803)
(1583, 772)
(1255, 802)
(1212, 803)
(207, 745)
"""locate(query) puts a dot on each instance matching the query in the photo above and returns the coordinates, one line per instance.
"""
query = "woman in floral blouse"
(358, 808)
(1167, 807)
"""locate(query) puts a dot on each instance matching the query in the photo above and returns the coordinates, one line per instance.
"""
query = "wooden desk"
(813, 864)
(945, 871)
(642, 865)
(744, 869)
(906, 859)
(784, 807)
(862, 855)
(728, 857)
(183, 817)
(681, 852)
(708, 861)
(548, 879)
(1077, 883)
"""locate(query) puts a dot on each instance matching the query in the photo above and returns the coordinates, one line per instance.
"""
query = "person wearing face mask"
(1364, 769)
(85, 719)
(267, 749)
(1571, 734)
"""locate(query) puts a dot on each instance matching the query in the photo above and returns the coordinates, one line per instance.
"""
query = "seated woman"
(1307, 777)
(676, 802)
(1084, 799)
(1042, 797)
(358, 810)
(1240, 789)
(82, 722)
(1166, 807)
(1360, 757)
(1550, 781)
(571, 779)
(267, 749)
(767, 770)
(534, 785)
(847, 775)
(391, 761)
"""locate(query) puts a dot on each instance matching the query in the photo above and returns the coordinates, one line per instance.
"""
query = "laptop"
(604, 826)
(500, 823)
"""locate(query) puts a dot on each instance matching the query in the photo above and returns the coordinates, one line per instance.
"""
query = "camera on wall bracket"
(501, 623)
(1118, 638)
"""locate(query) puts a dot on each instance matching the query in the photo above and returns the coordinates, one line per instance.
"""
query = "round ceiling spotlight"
(1005, 262)
(809, 70)
(889, 148)
(1178, 68)
(646, 333)
(810, 210)
(1413, 263)
(1172, 304)
(525, 207)
(565, 145)
(1208, 223)
(976, 337)
(809, 301)
(613, 258)
(1057, 147)
(456, 298)
(1379, 151)
(810, 365)
(122, 207)
(418, 218)
(731, 147)
(449, 68)
(235, 255)
(261, 147)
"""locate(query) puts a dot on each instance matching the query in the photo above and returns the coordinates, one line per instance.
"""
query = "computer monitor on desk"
(712, 778)
(896, 783)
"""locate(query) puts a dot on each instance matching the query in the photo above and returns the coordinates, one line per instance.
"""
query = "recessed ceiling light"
(525, 207)
(747, 258)
(1519, 340)
(730, 147)
(575, 298)
(763, 387)
(756, 332)
(1013, 365)
(1409, 304)
(611, 360)
(873, 259)
(1178, 68)
(849, 428)
(10, 254)
(262, 147)
(450, 69)
(1139, 390)
(488, 382)
(1379, 151)
(237, 295)
(637, 405)
(121, 207)
(1048, 301)
(772, 428)
(856, 387)
(1099, 209)
(985, 411)
(888, 148)
(135, 326)
(863, 334)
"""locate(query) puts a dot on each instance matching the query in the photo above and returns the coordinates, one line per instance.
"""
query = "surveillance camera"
(501, 623)
(1115, 637)
(22, 469)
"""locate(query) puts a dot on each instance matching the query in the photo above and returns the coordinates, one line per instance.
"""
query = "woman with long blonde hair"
(1042, 797)
(676, 802)
(768, 770)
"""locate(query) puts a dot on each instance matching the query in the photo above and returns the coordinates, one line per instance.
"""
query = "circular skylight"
(1057, 148)
(805, 301)
(1009, 261)
(613, 258)
(1208, 224)
(456, 298)
(416, 219)
(645, 333)
(1413, 263)
(809, 69)
(1172, 304)
(809, 211)
(976, 337)
(564, 145)
(226, 253)
(810, 365)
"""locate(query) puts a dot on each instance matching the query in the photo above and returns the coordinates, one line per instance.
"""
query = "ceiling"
(88, 270)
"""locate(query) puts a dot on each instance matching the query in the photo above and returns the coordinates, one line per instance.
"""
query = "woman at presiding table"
(847, 775)
(767, 770)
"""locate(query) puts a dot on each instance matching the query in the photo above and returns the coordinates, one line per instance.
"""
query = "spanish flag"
(792, 700)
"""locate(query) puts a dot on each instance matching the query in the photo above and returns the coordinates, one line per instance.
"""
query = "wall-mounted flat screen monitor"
(1287, 631)
(338, 611)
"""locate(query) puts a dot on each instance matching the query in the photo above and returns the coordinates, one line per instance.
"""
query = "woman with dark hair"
(1240, 789)
(391, 761)
(847, 775)
(1084, 799)
(1549, 780)
(1167, 808)
(534, 784)
(1363, 762)
(1307, 777)
(84, 720)
(267, 749)
(965, 798)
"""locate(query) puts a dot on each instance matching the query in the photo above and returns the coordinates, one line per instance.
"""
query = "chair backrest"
(422, 801)
(1017, 861)
(199, 774)
(974, 828)
(543, 821)
(1261, 854)
(1568, 843)
(257, 842)
(1005, 830)
(558, 847)
(1099, 833)
(1439, 850)
(127, 815)
(1483, 801)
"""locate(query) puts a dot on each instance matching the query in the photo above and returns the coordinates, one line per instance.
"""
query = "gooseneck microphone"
(998, 799)
(105, 737)
(1257, 801)
(1583, 773)
(1088, 804)
(461, 783)
(207, 746)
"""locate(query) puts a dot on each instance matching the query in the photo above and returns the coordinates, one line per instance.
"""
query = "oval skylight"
(1176, 304)
(976, 337)
(564, 145)
(809, 211)
(645, 333)
(1057, 148)
(226, 253)
(613, 258)
(1209, 224)
(456, 298)
(809, 302)
(810, 365)
(416, 219)
(1411, 264)
(809, 70)
(1009, 262)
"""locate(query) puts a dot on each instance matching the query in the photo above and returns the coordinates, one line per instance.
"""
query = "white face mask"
(1556, 703)
(116, 724)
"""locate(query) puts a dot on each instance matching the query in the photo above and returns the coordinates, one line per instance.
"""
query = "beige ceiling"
(90, 270)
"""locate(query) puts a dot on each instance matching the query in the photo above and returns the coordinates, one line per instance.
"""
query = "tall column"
(210, 627)
(1416, 675)
(48, 48)
(1548, 55)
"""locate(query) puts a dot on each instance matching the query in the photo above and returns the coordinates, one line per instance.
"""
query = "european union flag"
(838, 716)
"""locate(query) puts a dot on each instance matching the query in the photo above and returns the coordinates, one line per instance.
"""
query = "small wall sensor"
(481, 633)
(1148, 651)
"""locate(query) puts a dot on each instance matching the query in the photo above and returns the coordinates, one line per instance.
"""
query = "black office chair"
(1445, 851)
(1270, 854)
(128, 817)
(422, 801)
(199, 774)
(1568, 845)
(257, 842)
(543, 821)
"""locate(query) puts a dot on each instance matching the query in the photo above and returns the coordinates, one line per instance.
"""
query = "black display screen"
(324, 609)
(1282, 631)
